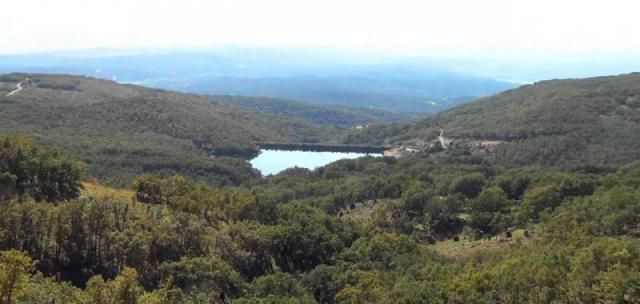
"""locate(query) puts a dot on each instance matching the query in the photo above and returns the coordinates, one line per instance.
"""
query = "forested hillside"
(336, 115)
(124, 130)
(549, 215)
(557, 122)
(319, 152)
(371, 230)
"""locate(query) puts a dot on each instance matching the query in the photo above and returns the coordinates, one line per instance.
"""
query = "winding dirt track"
(442, 139)
(18, 89)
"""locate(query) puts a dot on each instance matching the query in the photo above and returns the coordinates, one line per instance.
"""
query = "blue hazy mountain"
(303, 75)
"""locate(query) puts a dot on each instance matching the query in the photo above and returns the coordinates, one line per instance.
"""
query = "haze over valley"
(318, 77)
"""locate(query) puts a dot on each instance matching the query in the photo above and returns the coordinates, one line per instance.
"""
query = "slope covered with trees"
(370, 230)
(594, 121)
(417, 229)
(333, 115)
(27, 170)
(124, 130)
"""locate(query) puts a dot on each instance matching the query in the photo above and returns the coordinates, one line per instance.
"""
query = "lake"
(275, 161)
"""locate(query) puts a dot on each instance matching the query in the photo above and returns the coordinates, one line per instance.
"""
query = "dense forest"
(594, 121)
(123, 130)
(333, 115)
(370, 230)
(551, 215)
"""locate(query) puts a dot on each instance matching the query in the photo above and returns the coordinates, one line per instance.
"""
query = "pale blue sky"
(513, 28)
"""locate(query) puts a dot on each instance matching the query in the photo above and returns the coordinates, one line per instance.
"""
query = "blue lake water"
(274, 161)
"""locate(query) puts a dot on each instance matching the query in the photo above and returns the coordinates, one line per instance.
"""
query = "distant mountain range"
(309, 77)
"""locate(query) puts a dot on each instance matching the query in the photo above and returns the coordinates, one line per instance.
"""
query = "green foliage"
(514, 186)
(572, 123)
(49, 290)
(324, 282)
(414, 198)
(489, 212)
(207, 275)
(612, 212)
(122, 131)
(27, 169)
(334, 114)
(125, 287)
(379, 251)
(7, 185)
(369, 230)
(15, 270)
(604, 271)
(98, 291)
(281, 286)
(540, 199)
(303, 238)
(179, 193)
(469, 185)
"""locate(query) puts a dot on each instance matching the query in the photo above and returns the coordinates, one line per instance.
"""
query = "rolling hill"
(366, 230)
(336, 115)
(576, 121)
(125, 130)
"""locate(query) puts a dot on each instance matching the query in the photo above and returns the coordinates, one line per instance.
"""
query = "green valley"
(131, 195)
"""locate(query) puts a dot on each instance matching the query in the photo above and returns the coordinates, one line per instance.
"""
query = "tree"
(379, 251)
(148, 189)
(514, 186)
(278, 284)
(304, 238)
(325, 282)
(210, 275)
(488, 211)
(414, 198)
(46, 175)
(470, 185)
(539, 199)
(97, 290)
(50, 290)
(15, 271)
(7, 185)
(125, 287)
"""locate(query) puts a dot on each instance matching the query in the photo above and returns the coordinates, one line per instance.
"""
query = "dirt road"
(18, 89)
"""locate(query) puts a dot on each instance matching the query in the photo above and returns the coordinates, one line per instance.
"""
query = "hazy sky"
(453, 27)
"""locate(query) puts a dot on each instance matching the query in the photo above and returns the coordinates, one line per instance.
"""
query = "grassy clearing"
(467, 247)
(100, 192)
